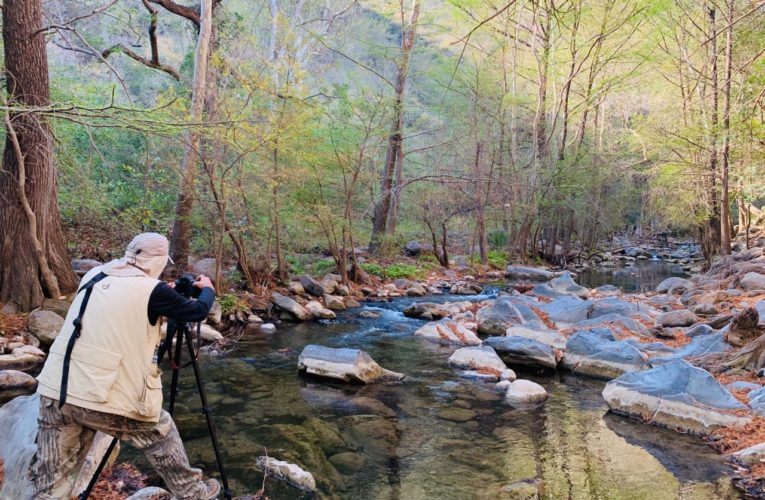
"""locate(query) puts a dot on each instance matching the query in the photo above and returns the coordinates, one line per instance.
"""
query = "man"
(112, 382)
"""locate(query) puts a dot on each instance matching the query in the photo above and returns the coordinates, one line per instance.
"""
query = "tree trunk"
(182, 227)
(713, 238)
(26, 64)
(725, 222)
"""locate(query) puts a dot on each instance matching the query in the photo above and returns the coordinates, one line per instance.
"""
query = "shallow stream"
(433, 436)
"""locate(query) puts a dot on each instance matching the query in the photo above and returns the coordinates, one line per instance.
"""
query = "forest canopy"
(255, 131)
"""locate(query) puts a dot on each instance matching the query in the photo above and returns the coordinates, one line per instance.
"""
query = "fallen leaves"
(732, 439)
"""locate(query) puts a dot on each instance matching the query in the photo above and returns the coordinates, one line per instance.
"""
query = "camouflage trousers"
(65, 435)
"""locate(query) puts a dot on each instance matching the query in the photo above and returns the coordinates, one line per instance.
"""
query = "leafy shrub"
(230, 303)
(371, 268)
(296, 266)
(396, 271)
(498, 239)
(497, 259)
(427, 258)
(324, 266)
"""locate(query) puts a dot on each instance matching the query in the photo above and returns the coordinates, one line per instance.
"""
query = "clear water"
(433, 436)
(637, 276)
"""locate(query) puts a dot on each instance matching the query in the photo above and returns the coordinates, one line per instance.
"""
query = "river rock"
(677, 395)
(287, 472)
(296, 288)
(483, 360)
(545, 336)
(528, 273)
(22, 358)
(45, 325)
(416, 290)
(82, 266)
(615, 305)
(312, 286)
(17, 381)
(319, 311)
(525, 392)
(756, 400)
(287, 304)
(150, 493)
(523, 351)
(348, 462)
(545, 290)
(608, 290)
(447, 331)
(753, 281)
(334, 302)
(567, 310)
(596, 353)
(699, 346)
(457, 414)
(498, 317)
(674, 285)
(754, 455)
(347, 365)
(566, 285)
(268, 328)
(412, 248)
(58, 306)
(681, 317)
(215, 315)
(426, 310)
(208, 267)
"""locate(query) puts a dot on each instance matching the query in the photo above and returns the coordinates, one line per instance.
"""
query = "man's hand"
(204, 282)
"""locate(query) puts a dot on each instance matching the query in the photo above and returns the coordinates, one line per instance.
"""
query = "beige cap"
(146, 255)
(148, 245)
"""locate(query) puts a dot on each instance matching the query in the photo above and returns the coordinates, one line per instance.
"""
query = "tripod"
(179, 331)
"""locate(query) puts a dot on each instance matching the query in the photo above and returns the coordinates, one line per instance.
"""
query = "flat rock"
(674, 285)
(528, 273)
(348, 462)
(296, 288)
(447, 331)
(457, 414)
(318, 310)
(611, 320)
(286, 471)
(699, 346)
(289, 305)
(756, 400)
(312, 286)
(334, 302)
(699, 329)
(594, 354)
(525, 392)
(615, 305)
(569, 310)
(676, 395)
(347, 365)
(498, 317)
(150, 493)
(82, 266)
(608, 290)
(545, 336)
(426, 310)
(13, 380)
(566, 285)
(483, 360)
(681, 317)
(753, 455)
(753, 281)
(209, 334)
(45, 325)
(523, 351)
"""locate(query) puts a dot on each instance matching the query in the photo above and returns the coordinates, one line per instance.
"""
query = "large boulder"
(481, 361)
(524, 391)
(700, 345)
(498, 317)
(334, 302)
(208, 267)
(22, 358)
(676, 395)
(674, 285)
(412, 248)
(756, 400)
(569, 310)
(14, 383)
(347, 365)
(615, 305)
(597, 354)
(565, 284)
(523, 351)
(680, 317)
(753, 281)
(528, 273)
(426, 310)
(318, 310)
(45, 325)
(447, 331)
(18, 426)
(288, 305)
(611, 320)
(312, 286)
(548, 337)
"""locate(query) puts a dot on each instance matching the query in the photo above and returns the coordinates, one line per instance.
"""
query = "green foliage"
(496, 259)
(296, 267)
(498, 239)
(230, 303)
(324, 266)
(396, 271)
(374, 269)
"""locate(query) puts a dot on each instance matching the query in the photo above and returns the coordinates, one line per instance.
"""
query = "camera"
(185, 286)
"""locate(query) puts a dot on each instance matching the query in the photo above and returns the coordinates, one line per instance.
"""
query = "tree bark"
(713, 238)
(725, 222)
(182, 227)
(22, 280)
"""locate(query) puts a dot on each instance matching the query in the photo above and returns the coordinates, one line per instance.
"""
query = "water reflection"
(637, 276)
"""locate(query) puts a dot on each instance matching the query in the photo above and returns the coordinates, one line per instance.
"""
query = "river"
(432, 436)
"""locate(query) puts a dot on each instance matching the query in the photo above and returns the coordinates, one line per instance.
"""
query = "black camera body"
(185, 286)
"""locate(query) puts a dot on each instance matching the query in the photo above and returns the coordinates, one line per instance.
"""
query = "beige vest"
(112, 369)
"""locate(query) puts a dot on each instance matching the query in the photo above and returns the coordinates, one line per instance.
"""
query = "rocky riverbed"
(502, 389)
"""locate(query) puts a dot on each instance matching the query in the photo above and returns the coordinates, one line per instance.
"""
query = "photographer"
(110, 381)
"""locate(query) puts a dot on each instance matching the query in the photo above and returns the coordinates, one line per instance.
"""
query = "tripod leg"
(176, 367)
(207, 412)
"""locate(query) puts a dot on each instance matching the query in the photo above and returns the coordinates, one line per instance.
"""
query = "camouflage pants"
(65, 435)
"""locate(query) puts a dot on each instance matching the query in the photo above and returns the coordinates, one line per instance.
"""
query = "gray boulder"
(699, 346)
(312, 286)
(447, 331)
(566, 285)
(614, 320)
(699, 329)
(22, 358)
(45, 325)
(412, 248)
(753, 281)
(525, 392)
(334, 302)
(528, 273)
(479, 360)
(523, 351)
(569, 310)
(426, 310)
(608, 290)
(674, 285)
(595, 353)
(545, 336)
(208, 267)
(757, 401)
(416, 290)
(318, 310)
(288, 305)
(676, 395)
(614, 305)
(16, 381)
(498, 317)
(545, 290)
(347, 365)
(681, 317)
(760, 306)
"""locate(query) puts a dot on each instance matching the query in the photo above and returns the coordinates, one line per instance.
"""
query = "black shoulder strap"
(88, 287)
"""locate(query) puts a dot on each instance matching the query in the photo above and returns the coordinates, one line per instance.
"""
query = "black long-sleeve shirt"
(165, 301)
